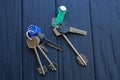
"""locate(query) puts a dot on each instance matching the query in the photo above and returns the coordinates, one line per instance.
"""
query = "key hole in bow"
(27, 34)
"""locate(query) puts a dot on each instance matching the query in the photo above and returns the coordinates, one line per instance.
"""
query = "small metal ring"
(28, 35)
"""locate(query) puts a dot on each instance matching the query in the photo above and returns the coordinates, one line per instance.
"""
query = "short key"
(64, 27)
(33, 44)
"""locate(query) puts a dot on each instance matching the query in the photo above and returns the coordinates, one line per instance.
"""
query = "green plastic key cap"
(61, 13)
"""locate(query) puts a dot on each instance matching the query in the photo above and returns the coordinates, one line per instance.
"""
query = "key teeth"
(40, 70)
(84, 57)
(51, 68)
(80, 62)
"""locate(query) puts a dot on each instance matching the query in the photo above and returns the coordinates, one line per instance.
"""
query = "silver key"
(50, 63)
(64, 28)
(81, 60)
(33, 43)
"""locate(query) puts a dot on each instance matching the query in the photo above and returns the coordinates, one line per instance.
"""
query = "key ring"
(36, 29)
(28, 35)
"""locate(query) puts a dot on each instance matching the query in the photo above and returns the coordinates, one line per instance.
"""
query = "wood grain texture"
(100, 18)
(10, 40)
(105, 27)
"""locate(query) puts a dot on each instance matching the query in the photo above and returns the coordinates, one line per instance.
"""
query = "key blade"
(78, 31)
(40, 70)
(54, 45)
(43, 47)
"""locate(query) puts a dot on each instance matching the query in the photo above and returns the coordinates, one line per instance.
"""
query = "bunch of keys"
(61, 28)
(36, 40)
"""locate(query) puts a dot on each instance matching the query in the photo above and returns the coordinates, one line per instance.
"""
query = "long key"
(41, 69)
(79, 57)
(65, 28)
(33, 44)
(53, 67)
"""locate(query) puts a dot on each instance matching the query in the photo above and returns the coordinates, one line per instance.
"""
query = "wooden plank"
(78, 15)
(11, 40)
(106, 41)
(40, 13)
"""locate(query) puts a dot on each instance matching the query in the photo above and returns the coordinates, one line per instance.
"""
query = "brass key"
(33, 43)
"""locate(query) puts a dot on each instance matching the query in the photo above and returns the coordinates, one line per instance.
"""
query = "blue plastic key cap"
(36, 29)
(64, 27)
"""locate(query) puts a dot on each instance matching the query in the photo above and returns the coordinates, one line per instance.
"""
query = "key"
(65, 28)
(62, 28)
(33, 43)
(50, 63)
(47, 42)
(81, 60)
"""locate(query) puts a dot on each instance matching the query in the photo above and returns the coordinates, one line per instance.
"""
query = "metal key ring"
(28, 35)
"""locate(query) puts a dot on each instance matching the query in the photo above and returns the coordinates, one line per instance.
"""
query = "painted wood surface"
(101, 46)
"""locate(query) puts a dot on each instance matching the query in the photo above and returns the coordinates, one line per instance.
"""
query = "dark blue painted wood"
(105, 27)
(101, 46)
(10, 40)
